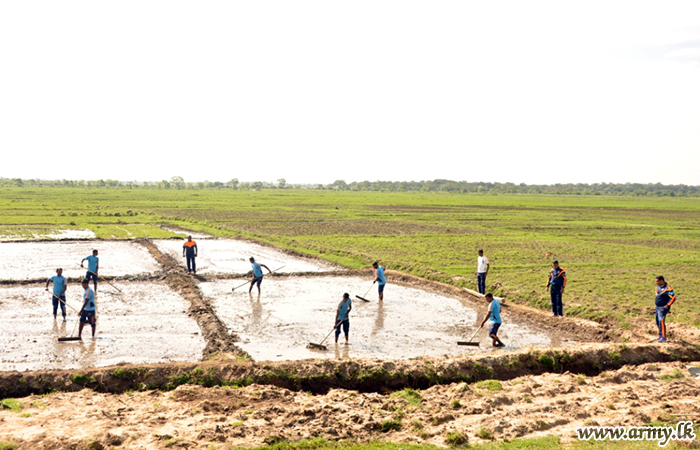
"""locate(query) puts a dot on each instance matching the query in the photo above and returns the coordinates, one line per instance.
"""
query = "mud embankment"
(218, 339)
(370, 375)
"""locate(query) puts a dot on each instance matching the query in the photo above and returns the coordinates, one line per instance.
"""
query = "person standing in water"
(93, 267)
(342, 318)
(257, 274)
(59, 292)
(381, 279)
(87, 312)
(493, 313)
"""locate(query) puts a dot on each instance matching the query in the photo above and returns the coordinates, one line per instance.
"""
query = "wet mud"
(230, 256)
(291, 312)
(146, 323)
(39, 260)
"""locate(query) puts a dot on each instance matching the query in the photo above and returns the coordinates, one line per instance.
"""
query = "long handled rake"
(469, 342)
(102, 278)
(363, 297)
(321, 346)
(68, 338)
(248, 282)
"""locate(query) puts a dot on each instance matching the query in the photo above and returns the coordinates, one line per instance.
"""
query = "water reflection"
(379, 321)
(342, 351)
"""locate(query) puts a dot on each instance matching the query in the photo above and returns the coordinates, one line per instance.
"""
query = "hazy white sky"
(314, 91)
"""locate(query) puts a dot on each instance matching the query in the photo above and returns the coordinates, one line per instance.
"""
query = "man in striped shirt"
(664, 299)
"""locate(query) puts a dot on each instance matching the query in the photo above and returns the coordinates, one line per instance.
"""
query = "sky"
(536, 92)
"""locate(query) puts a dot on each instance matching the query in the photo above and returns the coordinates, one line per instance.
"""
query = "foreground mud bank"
(197, 417)
(370, 375)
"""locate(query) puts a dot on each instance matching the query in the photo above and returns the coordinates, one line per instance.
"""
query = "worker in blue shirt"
(87, 312)
(381, 279)
(257, 274)
(556, 282)
(493, 313)
(665, 296)
(342, 318)
(59, 292)
(93, 267)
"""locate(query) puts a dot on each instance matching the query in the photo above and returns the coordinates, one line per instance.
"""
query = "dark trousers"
(191, 266)
(481, 282)
(557, 307)
(57, 303)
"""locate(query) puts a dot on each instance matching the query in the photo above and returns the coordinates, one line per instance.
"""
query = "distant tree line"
(177, 182)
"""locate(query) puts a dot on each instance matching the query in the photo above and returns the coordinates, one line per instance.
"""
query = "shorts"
(88, 317)
(493, 329)
(381, 288)
(255, 281)
(91, 276)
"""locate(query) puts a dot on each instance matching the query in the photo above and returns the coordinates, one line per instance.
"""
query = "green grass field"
(611, 247)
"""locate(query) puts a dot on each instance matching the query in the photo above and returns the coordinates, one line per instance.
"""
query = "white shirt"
(481, 263)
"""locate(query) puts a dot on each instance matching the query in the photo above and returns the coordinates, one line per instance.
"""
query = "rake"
(68, 338)
(363, 297)
(102, 278)
(248, 282)
(469, 342)
(321, 346)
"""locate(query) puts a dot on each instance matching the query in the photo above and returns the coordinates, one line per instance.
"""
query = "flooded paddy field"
(291, 312)
(226, 256)
(39, 260)
(147, 323)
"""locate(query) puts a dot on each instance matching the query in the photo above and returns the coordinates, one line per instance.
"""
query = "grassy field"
(611, 247)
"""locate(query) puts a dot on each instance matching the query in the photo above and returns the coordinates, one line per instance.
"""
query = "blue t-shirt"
(58, 284)
(495, 311)
(343, 310)
(257, 271)
(90, 295)
(92, 263)
(380, 275)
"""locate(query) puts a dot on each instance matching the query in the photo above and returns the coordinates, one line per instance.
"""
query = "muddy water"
(231, 256)
(37, 260)
(146, 324)
(291, 312)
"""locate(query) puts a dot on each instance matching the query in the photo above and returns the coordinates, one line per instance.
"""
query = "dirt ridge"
(215, 333)
(364, 375)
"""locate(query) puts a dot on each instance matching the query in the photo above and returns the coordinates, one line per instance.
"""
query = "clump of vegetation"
(12, 404)
(456, 439)
(409, 395)
(527, 400)
(8, 445)
(490, 385)
(389, 425)
(485, 434)
(676, 375)
(82, 379)
(455, 404)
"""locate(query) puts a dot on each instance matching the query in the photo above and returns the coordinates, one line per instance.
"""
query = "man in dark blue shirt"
(556, 282)
(190, 251)
(664, 299)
